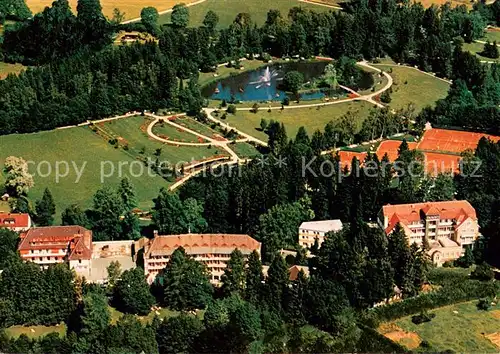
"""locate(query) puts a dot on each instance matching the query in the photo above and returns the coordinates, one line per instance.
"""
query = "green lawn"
(311, 118)
(133, 132)
(166, 131)
(492, 36)
(244, 150)
(477, 48)
(228, 9)
(80, 145)
(161, 313)
(35, 331)
(413, 86)
(198, 127)
(462, 332)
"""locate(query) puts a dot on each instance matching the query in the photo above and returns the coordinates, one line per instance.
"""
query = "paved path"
(483, 42)
(368, 98)
(137, 19)
(320, 4)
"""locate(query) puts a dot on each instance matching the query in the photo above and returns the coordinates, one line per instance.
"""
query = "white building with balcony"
(449, 226)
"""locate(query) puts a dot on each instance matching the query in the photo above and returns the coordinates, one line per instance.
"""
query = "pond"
(263, 84)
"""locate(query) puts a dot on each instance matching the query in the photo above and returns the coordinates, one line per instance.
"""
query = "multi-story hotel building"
(311, 230)
(213, 250)
(15, 222)
(449, 227)
(58, 244)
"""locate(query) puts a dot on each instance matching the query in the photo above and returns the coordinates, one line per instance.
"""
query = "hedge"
(447, 295)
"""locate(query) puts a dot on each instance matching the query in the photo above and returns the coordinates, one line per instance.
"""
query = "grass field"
(198, 127)
(413, 86)
(6, 69)
(244, 150)
(461, 328)
(166, 131)
(78, 146)
(35, 331)
(133, 132)
(492, 35)
(477, 48)
(311, 118)
(131, 8)
(228, 9)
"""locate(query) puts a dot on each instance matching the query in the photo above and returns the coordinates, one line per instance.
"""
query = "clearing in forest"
(131, 8)
(312, 118)
(228, 9)
(413, 86)
(460, 327)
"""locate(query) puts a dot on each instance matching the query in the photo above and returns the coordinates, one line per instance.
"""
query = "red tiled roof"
(72, 237)
(168, 244)
(14, 220)
(458, 210)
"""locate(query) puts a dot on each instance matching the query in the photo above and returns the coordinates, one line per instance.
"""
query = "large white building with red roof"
(449, 226)
(213, 250)
(15, 222)
(58, 244)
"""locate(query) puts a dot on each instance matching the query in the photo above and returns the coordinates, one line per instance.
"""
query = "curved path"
(417, 69)
(369, 98)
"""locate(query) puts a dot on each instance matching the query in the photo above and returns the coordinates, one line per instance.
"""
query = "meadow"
(228, 9)
(314, 118)
(131, 8)
(6, 69)
(477, 48)
(413, 86)
(461, 328)
(244, 150)
(80, 146)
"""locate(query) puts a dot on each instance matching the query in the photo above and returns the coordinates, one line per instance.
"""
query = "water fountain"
(265, 80)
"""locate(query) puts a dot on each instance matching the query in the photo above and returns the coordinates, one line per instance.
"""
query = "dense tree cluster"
(149, 76)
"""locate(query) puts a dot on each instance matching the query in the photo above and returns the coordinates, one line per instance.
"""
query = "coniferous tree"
(254, 279)
(401, 260)
(295, 307)
(186, 283)
(45, 209)
(233, 279)
(131, 293)
(277, 284)
(74, 215)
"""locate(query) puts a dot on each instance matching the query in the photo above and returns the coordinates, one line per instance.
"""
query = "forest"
(356, 268)
(77, 65)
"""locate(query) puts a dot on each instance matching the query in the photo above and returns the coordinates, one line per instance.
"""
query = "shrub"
(422, 317)
(385, 97)
(450, 294)
(255, 108)
(484, 304)
(483, 272)
(286, 101)
(231, 109)
(224, 116)
(448, 264)
(224, 103)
